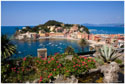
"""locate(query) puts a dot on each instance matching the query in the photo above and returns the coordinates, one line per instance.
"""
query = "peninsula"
(59, 30)
(53, 29)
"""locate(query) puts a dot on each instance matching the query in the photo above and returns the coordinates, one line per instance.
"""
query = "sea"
(53, 46)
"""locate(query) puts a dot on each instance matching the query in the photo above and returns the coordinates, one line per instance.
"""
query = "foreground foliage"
(108, 53)
(83, 43)
(69, 50)
(7, 48)
(45, 69)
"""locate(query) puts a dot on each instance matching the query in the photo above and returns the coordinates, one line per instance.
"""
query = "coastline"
(58, 38)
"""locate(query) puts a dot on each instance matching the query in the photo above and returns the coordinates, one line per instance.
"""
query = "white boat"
(19, 52)
(60, 43)
(50, 43)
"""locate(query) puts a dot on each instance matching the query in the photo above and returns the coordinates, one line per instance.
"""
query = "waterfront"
(53, 45)
(62, 42)
(10, 30)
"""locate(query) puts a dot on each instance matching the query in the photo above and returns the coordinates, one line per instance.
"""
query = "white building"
(26, 35)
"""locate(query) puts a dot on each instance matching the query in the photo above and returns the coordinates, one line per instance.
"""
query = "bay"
(53, 45)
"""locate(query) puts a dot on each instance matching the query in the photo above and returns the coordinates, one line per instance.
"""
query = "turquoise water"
(53, 46)
(106, 30)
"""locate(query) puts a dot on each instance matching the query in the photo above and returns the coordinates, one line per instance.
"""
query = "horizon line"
(70, 23)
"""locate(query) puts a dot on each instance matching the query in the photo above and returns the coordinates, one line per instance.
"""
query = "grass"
(118, 61)
(99, 61)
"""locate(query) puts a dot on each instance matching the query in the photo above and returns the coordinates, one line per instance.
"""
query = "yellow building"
(41, 34)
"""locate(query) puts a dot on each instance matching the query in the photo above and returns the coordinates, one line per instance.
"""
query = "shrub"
(99, 61)
(118, 61)
(69, 50)
(31, 68)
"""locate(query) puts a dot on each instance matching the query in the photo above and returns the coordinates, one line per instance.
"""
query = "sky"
(30, 13)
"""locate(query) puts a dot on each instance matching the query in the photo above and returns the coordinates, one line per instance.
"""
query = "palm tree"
(7, 48)
(83, 43)
(69, 50)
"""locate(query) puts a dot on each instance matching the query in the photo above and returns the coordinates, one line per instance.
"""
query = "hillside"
(46, 27)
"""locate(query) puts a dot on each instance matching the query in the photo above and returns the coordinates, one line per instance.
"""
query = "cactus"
(108, 53)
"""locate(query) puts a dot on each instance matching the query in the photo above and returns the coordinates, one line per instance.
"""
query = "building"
(74, 29)
(28, 35)
(21, 36)
(52, 28)
(59, 29)
(56, 34)
(79, 35)
(42, 52)
(41, 34)
(31, 35)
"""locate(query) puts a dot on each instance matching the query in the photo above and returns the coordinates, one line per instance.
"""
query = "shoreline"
(57, 38)
(92, 43)
(43, 38)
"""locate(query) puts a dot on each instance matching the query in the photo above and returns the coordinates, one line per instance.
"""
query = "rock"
(110, 72)
(60, 79)
(69, 57)
(94, 70)
(36, 81)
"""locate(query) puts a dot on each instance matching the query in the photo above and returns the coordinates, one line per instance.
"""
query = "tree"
(44, 28)
(35, 29)
(52, 23)
(85, 29)
(69, 50)
(7, 48)
(83, 43)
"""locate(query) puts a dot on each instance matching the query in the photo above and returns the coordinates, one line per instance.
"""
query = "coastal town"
(73, 33)
(106, 47)
(62, 42)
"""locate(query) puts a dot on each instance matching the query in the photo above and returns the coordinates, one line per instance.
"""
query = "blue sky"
(22, 13)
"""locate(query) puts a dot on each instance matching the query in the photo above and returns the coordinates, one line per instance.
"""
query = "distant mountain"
(86, 24)
(104, 25)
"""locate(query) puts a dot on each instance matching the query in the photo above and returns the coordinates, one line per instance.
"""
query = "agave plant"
(108, 53)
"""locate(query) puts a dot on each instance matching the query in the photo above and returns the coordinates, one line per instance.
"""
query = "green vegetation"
(122, 46)
(53, 23)
(118, 61)
(99, 61)
(69, 50)
(32, 68)
(7, 48)
(83, 43)
(84, 29)
(44, 26)
(108, 53)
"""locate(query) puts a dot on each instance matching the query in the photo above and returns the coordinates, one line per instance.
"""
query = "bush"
(99, 61)
(69, 50)
(118, 61)
(45, 69)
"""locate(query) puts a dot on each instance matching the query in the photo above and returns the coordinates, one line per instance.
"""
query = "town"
(62, 42)
(73, 32)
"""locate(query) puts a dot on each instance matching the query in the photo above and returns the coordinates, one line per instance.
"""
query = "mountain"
(104, 25)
